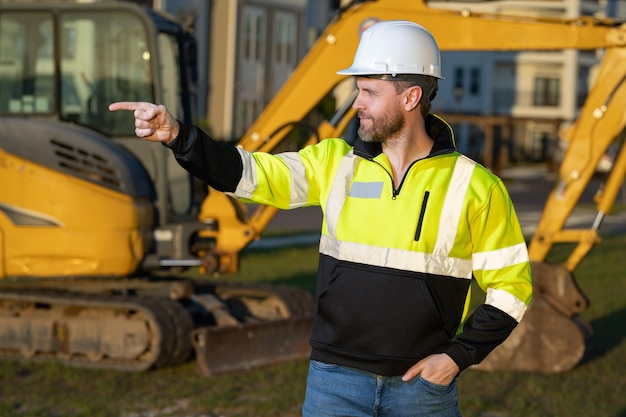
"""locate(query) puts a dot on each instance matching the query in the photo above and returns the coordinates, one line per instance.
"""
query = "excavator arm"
(600, 122)
(555, 311)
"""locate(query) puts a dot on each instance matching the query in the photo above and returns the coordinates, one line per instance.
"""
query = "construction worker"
(408, 221)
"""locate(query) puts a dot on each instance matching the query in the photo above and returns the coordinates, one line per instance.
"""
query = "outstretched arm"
(216, 163)
(152, 122)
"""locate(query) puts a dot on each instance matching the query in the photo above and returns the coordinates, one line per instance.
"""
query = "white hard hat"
(396, 47)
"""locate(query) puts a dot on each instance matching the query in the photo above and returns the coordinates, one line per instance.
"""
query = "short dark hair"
(428, 84)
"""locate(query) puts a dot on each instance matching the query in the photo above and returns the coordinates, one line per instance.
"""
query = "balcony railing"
(505, 99)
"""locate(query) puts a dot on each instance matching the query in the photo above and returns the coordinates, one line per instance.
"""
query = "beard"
(381, 129)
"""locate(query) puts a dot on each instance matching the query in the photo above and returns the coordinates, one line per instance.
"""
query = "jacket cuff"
(460, 356)
(183, 132)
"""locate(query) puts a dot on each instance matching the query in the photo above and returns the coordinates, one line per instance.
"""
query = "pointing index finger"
(127, 105)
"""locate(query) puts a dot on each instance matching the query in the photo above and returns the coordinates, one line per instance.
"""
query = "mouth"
(365, 124)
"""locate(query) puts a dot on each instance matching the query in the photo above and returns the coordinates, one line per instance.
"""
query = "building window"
(285, 47)
(268, 54)
(459, 74)
(252, 68)
(254, 36)
(474, 87)
(285, 38)
(547, 91)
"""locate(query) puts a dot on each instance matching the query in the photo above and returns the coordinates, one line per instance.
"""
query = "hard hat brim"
(355, 71)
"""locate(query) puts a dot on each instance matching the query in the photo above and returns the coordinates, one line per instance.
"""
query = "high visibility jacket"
(395, 263)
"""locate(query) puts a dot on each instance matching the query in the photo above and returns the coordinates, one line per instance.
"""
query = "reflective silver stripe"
(453, 205)
(247, 184)
(366, 189)
(299, 185)
(339, 191)
(501, 258)
(396, 258)
(507, 302)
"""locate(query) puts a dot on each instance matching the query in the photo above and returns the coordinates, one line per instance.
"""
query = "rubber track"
(170, 324)
(299, 301)
(179, 324)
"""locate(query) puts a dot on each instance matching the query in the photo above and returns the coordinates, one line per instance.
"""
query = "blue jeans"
(334, 391)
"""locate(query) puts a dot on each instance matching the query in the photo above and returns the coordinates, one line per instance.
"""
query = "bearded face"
(378, 128)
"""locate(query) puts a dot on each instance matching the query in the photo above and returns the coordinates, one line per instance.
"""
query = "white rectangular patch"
(366, 189)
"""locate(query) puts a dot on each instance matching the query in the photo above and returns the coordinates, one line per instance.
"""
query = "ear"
(412, 97)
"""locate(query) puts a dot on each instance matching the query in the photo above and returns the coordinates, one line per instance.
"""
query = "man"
(408, 221)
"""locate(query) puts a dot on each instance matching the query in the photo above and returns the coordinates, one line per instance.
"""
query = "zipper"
(396, 191)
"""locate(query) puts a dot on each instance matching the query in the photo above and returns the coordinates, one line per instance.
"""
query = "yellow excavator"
(95, 224)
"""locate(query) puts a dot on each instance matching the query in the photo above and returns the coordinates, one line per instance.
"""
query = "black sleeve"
(216, 163)
(483, 331)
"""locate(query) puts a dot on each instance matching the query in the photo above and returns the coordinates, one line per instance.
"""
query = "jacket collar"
(437, 128)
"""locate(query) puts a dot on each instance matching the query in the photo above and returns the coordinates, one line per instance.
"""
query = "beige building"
(246, 51)
(254, 46)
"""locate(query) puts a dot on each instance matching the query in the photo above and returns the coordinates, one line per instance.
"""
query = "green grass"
(595, 388)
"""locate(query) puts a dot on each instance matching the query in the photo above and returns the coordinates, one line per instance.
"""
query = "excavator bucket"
(552, 336)
(229, 349)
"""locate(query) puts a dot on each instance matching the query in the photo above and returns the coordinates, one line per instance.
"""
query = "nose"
(358, 103)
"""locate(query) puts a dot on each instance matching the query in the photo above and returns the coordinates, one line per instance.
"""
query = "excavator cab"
(61, 68)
